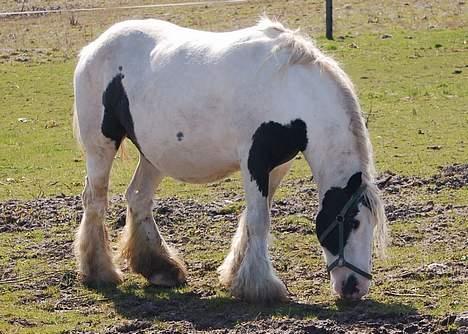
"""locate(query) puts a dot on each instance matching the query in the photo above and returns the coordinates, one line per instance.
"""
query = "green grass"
(413, 105)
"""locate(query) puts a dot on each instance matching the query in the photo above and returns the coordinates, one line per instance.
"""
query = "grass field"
(413, 89)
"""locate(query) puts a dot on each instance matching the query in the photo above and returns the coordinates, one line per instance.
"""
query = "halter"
(339, 221)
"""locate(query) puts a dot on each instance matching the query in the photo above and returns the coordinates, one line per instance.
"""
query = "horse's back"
(195, 98)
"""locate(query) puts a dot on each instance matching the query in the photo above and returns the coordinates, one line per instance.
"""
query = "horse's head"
(345, 228)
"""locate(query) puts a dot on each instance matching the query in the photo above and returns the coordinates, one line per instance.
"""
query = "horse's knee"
(139, 203)
(94, 197)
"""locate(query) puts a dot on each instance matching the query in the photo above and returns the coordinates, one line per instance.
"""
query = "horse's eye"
(355, 223)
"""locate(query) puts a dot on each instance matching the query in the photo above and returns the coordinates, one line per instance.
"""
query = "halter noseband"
(339, 221)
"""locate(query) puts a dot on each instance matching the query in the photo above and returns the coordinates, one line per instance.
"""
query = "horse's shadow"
(151, 303)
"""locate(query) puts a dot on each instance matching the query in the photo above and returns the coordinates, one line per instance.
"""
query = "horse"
(201, 105)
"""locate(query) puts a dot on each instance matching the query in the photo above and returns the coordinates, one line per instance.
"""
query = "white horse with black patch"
(200, 105)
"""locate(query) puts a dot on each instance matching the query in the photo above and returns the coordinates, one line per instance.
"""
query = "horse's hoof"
(168, 280)
(111, 278)
(271, 292)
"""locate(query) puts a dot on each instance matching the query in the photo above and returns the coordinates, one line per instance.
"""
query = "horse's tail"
(76, 124)
(123, 151)
(75, 121)
(76, 127)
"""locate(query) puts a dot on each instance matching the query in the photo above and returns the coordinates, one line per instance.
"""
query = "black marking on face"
(333, 201)
(274, 144)
(180, 136)
(117, 122)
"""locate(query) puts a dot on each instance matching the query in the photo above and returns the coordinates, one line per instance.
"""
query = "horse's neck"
(332, 165)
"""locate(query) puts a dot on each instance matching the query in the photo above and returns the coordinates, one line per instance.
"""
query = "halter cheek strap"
(339, 222)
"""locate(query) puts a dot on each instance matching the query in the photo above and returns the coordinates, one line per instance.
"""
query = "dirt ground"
(188, 225)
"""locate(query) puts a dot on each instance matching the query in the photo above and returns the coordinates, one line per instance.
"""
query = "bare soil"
(188, 225)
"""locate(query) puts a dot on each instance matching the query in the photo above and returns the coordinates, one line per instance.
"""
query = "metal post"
(329, 19)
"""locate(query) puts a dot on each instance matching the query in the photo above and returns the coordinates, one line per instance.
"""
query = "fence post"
(329, 18)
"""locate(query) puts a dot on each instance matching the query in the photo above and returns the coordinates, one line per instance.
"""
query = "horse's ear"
(354, 183)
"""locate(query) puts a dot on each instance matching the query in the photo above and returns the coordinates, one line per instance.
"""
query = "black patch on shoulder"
(274, 144)
(117, 122)
(180, 135)
(333, 201)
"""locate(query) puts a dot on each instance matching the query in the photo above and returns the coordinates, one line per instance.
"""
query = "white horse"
(200, 105)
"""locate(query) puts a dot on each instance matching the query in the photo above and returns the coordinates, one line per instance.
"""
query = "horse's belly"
(189, 137)
(198, 173)
(194, 163)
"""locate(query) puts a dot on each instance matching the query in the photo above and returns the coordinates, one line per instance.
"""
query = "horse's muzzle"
(352, 287)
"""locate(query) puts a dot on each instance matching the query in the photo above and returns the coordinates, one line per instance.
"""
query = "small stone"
(386, 36)
(462, 319)
(448, 320)
(438, 268)
(412, 328)
(51, 124)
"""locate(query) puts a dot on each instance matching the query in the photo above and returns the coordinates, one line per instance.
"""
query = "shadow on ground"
(152, 303)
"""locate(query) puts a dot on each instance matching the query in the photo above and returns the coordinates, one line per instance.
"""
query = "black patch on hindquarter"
(334, 200)
(274, 144)
(117, 122)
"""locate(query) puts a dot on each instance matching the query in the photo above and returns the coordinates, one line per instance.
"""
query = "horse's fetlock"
(254, 290)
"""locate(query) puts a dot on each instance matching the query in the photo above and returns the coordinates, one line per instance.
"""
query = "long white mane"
(302, 50)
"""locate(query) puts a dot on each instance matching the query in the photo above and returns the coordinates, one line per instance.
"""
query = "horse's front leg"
(247, 270)
(142, 244)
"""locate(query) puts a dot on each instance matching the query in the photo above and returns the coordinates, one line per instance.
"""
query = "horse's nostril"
(350, 287)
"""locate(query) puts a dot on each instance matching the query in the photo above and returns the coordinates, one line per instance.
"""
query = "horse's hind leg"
(142, 244)
(92, 247)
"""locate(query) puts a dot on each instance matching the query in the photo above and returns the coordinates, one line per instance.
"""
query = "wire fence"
(76, 10)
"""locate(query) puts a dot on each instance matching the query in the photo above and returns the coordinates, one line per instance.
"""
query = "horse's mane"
(302, 50)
